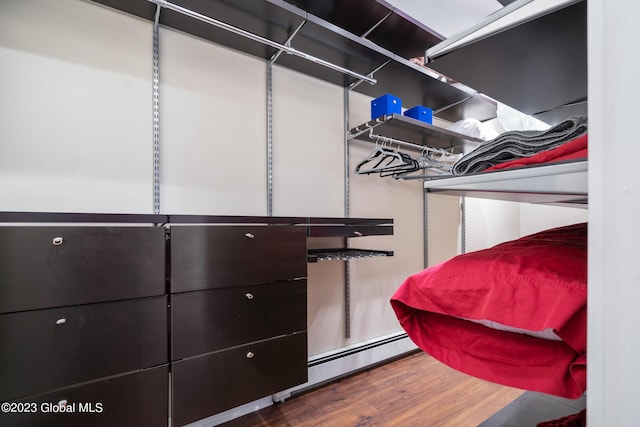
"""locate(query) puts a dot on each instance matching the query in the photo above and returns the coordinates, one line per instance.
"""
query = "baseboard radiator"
(327, 367)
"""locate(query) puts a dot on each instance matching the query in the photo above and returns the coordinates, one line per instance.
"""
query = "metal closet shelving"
(560, 31)
(344, 254)
(549, 82)
(321, 49)
(415, 132)
(347, 228)
(532, 56)
(282, 33)
(561, 183)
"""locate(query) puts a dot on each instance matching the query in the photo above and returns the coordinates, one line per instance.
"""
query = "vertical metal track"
(156, 114)
(347, 194)
(347, 202)
(269, 138)
(463, 225)
(425, 219)
(269, 71)
(347, 294)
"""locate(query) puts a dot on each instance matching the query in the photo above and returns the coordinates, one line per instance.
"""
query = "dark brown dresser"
(238, 315)
(83, 326)
(130, 320)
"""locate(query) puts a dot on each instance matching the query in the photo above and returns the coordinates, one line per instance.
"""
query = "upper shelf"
(415, 85)
(536, 64)
(378, 21)
(564, 183)
(414, 131)
(286, 24)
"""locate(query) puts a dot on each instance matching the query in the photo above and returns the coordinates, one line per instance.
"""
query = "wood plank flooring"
(416, 390)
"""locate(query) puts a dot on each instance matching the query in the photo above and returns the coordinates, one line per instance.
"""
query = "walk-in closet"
(294, 212)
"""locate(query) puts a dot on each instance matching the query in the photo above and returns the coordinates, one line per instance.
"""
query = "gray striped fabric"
(517, 144)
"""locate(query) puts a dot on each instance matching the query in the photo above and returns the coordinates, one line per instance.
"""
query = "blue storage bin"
(386, 104)
(420, 113)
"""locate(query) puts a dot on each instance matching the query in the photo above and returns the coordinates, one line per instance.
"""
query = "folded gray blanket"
(517, 144)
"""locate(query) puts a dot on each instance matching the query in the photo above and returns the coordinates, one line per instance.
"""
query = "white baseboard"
(324, 368)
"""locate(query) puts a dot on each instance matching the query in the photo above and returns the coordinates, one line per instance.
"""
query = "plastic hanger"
(384, 160)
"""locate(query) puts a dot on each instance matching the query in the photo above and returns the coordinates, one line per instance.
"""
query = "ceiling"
(449, 17)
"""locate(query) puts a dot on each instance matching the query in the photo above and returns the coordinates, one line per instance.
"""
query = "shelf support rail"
(347, 214)
(260, 39)
(270, 63)
(269, 71)
(156, 114)
(423, 148)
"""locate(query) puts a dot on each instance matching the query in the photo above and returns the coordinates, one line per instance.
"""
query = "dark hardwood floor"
(416, 390)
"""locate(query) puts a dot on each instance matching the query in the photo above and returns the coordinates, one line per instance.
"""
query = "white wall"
(489, 222)
(76, 136)
(613, 372)
(308, 145)
(212, 128)
(75, 123)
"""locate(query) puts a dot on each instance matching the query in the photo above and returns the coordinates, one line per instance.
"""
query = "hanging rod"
(260, 39)
(422, 148)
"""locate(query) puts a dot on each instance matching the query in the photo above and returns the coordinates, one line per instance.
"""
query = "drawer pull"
(57, 241)
(250, 355)
(357, 233)
(61, 321)
(249, 236)
(248, 295)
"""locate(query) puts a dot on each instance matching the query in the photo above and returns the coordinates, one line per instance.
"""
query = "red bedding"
(535, 283)
(574, 149)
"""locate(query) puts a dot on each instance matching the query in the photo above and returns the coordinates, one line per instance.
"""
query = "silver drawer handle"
(249, 236)
(248, 295)
(61, 321)
(250, 355)
(57, 241)
(357, 233)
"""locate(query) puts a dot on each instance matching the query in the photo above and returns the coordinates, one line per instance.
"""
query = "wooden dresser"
(129, 320)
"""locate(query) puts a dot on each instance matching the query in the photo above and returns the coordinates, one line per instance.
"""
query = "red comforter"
(536, 283)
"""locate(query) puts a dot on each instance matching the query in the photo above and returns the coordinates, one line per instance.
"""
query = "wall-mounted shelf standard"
(564, 183)
(344, 254)
(414, 131)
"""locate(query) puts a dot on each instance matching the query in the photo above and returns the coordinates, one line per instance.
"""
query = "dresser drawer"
(47, 349)
(207, 385)
(205, 257)
(205, 321)
(132, 400)
(43, 267)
